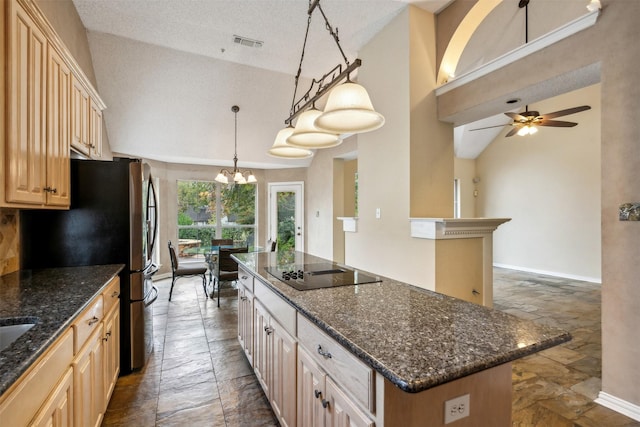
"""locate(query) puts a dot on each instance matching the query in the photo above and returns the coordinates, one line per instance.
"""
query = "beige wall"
(606, 45)
(384, 245)
(549, 184)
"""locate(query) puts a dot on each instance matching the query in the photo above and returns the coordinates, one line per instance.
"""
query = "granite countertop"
(414, 337)
(52, 297)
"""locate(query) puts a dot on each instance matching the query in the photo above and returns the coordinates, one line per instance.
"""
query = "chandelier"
(348, 109)
(236, 175)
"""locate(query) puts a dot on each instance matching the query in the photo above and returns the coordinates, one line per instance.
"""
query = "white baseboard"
(619, 405)
(550, 273)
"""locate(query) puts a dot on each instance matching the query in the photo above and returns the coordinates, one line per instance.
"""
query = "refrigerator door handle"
(153, 290)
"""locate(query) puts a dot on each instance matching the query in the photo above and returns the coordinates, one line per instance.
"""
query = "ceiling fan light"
(280, 148)
(222, 178)
(533, 129)
(349, 110)
(306, 135)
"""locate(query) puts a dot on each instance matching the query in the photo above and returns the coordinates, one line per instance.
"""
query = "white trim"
(618, 405)
(596, 280)
(454, 228)
(536, 45)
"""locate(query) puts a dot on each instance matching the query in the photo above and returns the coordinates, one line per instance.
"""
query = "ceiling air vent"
(244, 41)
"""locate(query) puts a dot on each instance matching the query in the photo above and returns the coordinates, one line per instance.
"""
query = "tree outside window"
(208, 210)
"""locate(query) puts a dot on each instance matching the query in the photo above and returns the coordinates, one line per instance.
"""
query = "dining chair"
(227, 267)
(177, 271)
(221, 242)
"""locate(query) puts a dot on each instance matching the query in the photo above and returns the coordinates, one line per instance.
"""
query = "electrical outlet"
(456, 409)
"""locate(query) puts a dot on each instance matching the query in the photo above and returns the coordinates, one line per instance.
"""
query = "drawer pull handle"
(317, 393)
(325, 403)
(243, 298)
(268, 330)
(244, 277)
(93, 321)
(323, 353)
(115, 294)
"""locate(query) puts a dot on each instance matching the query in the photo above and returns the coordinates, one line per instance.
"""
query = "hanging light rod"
(237, 176)
(309, 100)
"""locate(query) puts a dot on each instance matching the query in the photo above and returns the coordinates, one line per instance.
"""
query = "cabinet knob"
(317, 393)
(325, 403)
(268, 330)
(115, 294)
(243, 298)
(323, 353)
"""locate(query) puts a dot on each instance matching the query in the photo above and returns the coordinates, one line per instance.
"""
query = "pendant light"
(280, 147)
(307, 135)
(349, 110)
(237, 176)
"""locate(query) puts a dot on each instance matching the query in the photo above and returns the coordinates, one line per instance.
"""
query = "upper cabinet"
(51, 107)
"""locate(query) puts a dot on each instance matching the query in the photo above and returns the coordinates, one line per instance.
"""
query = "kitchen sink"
(12, 329)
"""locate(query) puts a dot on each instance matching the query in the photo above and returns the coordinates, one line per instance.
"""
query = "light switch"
(377, 213)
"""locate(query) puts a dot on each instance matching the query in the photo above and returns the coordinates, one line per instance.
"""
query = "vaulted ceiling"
(170, 71)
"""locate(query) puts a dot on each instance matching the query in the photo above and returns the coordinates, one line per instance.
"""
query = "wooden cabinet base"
(490, 401)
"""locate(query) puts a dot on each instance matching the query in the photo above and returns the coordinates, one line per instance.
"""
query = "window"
(208, 210)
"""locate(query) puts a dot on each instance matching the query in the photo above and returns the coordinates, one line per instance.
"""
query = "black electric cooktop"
(304, 277)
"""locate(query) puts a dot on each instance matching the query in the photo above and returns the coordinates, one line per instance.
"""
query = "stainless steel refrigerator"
(112, 220)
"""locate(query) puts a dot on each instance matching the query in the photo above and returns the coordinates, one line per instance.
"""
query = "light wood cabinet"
(88, 368)
(50, 107)
(321, 402)
(111, 343)
(57, 411)
(59, 83)
(26, 145)
(245, 318)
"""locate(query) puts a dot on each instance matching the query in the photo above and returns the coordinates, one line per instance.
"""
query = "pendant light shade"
(349, 110)
(280, 147)
(306, 135)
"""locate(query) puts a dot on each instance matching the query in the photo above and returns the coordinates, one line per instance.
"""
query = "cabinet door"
(88, 386)
(343, 412)
(311, 392)
(79, 117)
(245, 322)
(261, 349)
(57, 411)
(59, 134)
(111, 345)
(95, 130)
(283, 384)
(26, 140)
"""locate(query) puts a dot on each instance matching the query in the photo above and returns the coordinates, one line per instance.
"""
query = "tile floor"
(198, 375)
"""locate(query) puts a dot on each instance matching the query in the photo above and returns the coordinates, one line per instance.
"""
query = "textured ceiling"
(169, 70)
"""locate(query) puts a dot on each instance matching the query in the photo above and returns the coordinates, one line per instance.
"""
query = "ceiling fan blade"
(512, 132)
(490, 127)
(557, 123)
(517, 117)
(566, 112)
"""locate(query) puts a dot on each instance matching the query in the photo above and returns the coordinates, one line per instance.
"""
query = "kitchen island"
(423, 348)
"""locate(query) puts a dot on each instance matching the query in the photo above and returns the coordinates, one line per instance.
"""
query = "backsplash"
(9, 241)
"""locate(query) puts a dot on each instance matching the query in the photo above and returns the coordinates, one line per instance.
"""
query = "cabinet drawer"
(346, 369)
(111, 294)
(245, 279)
(33, 388)
(278, 307)
(87, 323)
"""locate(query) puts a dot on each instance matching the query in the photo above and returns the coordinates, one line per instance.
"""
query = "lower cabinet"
(70, 385)
(88, 368)
(321, 402)
(57, 411)
(275, 364)
(245, 320)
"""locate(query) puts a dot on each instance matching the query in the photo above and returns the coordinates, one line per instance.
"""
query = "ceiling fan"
(527, 122)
